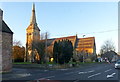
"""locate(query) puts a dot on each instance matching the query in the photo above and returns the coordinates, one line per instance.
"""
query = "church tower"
(32, 36)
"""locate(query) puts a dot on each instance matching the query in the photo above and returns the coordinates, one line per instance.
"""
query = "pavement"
(102, 71)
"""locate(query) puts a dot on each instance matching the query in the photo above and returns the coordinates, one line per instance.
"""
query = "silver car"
(117, 64)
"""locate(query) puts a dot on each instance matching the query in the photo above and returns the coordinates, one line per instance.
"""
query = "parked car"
(117, 64)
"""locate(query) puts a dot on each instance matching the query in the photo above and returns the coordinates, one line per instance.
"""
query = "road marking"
(69, 73)
(41, 79)
(86, 72)
(77, 80)
(50, 77)
(108, 70)
(46, 77)
(82, 72)
(45, 70)
(94, 75)
(24, 75)
(91, 71)
(108, 76)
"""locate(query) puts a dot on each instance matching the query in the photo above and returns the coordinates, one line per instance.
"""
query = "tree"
(107, 46)
(17, 43)
(110, 55)
(62, 51)
(106, 49)
(18, 51)
(42, 35)
(55, 52)
(40, 47)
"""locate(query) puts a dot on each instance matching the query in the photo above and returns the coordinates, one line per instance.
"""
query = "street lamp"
(83, 49)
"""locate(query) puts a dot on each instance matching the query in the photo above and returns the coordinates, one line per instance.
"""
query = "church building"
(33, 36)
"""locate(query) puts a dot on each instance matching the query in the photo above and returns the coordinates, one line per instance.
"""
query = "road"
(102, 71)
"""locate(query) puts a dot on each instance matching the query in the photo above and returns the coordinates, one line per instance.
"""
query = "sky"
(61, 19)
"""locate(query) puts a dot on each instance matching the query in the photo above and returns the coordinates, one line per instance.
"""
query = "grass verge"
(22, 63)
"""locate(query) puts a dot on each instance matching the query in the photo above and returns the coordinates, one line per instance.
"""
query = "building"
(6, 39)
(73, 39)
(81, 46)
(33, 36)
(87, 45)
(110, 55)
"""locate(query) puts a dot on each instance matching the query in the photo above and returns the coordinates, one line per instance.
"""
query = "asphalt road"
(102, 71)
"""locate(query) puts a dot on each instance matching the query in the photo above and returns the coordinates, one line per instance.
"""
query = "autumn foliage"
(18, 53)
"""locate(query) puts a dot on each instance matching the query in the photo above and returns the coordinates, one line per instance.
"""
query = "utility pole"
(83, 49)
(46, 48)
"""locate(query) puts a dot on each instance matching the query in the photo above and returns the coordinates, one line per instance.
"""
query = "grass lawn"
(22, 63)
(56, 63)
(53, 65)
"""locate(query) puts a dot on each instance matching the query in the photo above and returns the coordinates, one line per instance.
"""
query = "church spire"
(33, 17)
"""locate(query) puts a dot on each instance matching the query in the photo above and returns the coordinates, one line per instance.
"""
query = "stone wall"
(6, 51)
(0, 51)
(0, 43)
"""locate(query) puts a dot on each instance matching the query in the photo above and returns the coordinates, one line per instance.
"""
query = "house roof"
(68, 37)
(49, 41)
(5, 28)
(71, 38)
(86, 42)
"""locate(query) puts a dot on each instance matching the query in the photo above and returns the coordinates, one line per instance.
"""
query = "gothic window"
(29, 33)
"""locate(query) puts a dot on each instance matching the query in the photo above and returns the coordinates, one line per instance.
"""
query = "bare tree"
(107, 46)
(45, 36)
(17, 43)
(42, 35)
(41, 47)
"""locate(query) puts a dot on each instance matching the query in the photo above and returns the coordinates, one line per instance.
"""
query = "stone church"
(33, 36)
(6, 39)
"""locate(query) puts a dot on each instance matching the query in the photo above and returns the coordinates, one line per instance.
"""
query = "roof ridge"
(5, 28)
(66, 37)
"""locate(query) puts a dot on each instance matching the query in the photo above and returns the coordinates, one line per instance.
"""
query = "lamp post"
(83, 49)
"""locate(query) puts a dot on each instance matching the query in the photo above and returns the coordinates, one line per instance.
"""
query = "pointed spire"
(33, 17)
(33, 7)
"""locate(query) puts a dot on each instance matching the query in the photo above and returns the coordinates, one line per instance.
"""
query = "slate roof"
(5, 28)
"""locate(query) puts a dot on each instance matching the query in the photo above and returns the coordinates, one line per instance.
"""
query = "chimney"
(1, 14)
